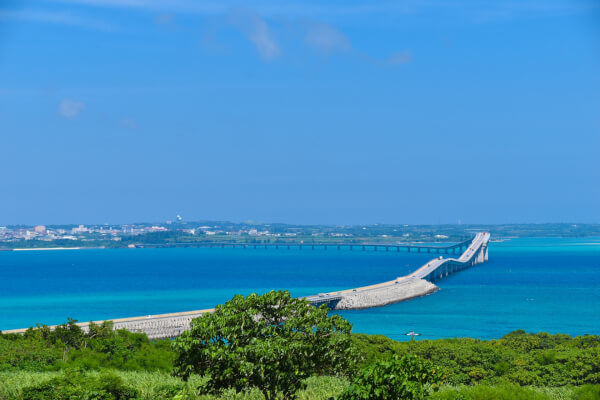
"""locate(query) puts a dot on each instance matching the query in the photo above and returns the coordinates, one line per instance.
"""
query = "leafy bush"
(519, 357)
(406, 378)
(68, 346)
(272, 342)
(76, 386)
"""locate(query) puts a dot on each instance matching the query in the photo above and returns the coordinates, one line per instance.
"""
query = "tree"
(271, 342)
(406, 378)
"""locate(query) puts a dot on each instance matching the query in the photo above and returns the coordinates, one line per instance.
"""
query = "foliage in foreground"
(406, 378)
(154, 386)
(500, 392)
(162, 386)
(74, 386)
(272, 342)
(520, 358)
(68, 346)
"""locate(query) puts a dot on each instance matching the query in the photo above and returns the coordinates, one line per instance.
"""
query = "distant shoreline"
(55, 248)
(230, 244)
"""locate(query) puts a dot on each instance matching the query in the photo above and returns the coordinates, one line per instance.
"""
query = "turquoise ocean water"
(550, 285)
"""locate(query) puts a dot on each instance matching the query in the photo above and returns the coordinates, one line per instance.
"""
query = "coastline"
(55, 248)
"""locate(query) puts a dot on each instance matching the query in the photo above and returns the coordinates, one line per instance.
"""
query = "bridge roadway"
(418, 247)
(416, 284)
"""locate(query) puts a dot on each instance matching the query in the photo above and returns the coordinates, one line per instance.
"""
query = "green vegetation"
(273, 346)
(69, 347)
(397, 378)
(519, 357)
(74, 386)
(272, 342)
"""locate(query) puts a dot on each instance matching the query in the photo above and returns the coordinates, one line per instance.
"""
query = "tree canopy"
(272, 342)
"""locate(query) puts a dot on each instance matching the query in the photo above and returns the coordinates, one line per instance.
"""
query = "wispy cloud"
(164, 19)
(70, 109)
(185, 6)
(256, 30)
(400, 58)
(473, 8)
(128, 123)
(326, 38)
(54, 17)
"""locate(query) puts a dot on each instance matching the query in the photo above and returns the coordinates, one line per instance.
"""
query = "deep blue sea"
(550, 285)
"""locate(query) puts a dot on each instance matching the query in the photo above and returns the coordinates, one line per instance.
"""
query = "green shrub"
(522, 358)
(77, 386)
(272, 342)
(68, 346)
(407, 378)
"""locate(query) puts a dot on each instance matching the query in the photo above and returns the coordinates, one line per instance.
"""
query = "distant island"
(201, 233)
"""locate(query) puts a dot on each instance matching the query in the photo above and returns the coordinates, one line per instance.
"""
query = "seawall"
(384, 295)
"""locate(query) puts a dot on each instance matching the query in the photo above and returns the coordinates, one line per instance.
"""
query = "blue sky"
(302, 112)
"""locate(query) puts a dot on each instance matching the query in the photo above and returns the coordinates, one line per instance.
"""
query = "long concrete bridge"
(413, 247)
(416, 284)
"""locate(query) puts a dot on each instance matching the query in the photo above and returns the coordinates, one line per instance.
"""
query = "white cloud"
(256, 30)
(403, 57)
(128, 123)
(70, 109)
(52, 17)
(164, 19)
(472, 8)
(326, 38)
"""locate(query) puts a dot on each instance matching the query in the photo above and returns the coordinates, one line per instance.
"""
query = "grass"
(503, 392)
(162, 386)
